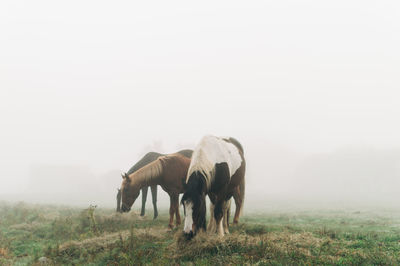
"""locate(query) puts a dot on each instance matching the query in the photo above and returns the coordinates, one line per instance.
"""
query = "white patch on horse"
(188, 217)
(213, 150)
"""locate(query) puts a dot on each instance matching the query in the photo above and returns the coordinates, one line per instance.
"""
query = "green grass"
(73, 236)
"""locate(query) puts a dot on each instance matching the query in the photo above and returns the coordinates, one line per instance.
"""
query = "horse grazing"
(167, 171)
(217, 169)
(148, 158)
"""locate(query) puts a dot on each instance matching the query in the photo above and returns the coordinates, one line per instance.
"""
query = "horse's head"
(129, 193)
(194, 206)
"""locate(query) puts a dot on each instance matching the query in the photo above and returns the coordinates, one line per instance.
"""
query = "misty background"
(310, 89)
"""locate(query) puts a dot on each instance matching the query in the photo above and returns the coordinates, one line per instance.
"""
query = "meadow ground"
(39, 234)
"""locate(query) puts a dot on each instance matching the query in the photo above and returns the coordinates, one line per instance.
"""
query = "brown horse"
(148, 158)
(167, 171)
(217, 169)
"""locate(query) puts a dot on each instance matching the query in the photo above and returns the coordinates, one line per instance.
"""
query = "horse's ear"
(123, 176)
(127, 178)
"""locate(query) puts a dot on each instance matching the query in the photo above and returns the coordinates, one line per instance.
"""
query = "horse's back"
(175, 162)
(175, 168)
(187, 153)
(146, 159)
(213, 150)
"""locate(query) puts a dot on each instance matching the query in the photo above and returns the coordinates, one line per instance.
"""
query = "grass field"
(39, 234)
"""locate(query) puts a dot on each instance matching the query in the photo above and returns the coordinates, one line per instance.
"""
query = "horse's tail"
(236, 143)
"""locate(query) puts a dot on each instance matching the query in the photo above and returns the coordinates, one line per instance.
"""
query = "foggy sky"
(97, 83)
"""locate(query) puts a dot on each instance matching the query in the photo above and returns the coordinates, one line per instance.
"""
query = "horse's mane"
(152, 156)
(147, 172)
(202, 165)
(146, 159)
(195, 193)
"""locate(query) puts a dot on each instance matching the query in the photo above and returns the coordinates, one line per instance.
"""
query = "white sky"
(93, 82)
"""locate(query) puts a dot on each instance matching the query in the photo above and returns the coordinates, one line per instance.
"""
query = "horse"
(217, 169)
(148, 158)
(168, 171)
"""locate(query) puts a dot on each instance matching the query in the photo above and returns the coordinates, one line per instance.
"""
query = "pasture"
(95, 236)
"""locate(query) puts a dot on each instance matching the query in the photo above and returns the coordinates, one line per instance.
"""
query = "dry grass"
(267, 245)
(26, 226)
(4, 252)
(67, 236)
(108, 240)
(236, 247)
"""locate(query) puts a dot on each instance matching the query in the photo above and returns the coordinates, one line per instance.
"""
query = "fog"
(310, 89)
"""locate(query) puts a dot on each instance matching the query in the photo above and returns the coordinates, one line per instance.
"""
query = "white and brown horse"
(168, 171)
(217, 169)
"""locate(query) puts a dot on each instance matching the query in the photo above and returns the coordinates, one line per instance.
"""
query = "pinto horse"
(217, 169)
(168, 171)
(148, 158)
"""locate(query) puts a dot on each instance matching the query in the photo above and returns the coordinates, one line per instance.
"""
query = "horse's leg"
(238, 202)
(219, 216)
(211, 224)
(176, 206)
(221, 174)
(119, 200)
(171, 211)
(227, 211)
(144, 197)
(154, 196)
(220, 226)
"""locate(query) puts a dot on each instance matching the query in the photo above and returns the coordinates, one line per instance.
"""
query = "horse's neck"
(149, 175)
(148, 158)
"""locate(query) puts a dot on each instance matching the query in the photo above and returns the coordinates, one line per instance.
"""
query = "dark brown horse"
(148, 158)
(217, 169)
(168, 171)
